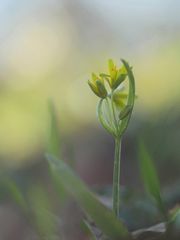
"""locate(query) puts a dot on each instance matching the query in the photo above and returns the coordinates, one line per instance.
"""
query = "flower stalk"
(116, 177)
(114, 112)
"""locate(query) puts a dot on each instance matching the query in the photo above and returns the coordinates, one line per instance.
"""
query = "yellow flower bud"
(117, 76)
(97, 86)
(112, 73)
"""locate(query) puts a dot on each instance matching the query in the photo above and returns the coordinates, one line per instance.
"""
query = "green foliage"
(102, 216)
(173, 227)
(125, 112)
(41, 208)
(131, 99)
(114, 112)
(53, 138)
(53, 148)
(65, 179)
(176, 215)
(15, 192)
(89, 230)
(150, 178)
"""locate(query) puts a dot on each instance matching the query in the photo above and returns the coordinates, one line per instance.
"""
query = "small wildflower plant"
(97, 220)
(114, 111)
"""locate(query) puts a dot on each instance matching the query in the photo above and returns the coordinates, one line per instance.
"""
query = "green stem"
(116, 177)
(109, 111)
(113, 110)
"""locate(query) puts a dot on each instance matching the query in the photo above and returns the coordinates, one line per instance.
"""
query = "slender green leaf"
(173, 226)
(131, 97)
(15, 193)
(102, 216)
(42, 210)
(175, 214)
(124, 113)
(89, 230)
(53, 138)
(150, 178)
(104, 75)
(54, 148)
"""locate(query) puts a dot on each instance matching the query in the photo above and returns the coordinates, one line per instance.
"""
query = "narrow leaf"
(104, 75)
(42, 210)
(89, 230)
(53, 138)
(102, 216)
(150, 178)
(15, 193)
(124, 113)
(175, 214)
(131, 97)
(54, 148)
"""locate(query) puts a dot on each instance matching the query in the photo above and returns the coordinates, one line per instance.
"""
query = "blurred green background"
(48, 49)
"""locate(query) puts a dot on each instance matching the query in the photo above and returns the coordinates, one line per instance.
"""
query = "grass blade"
(102, 216)
(131, 97)
(150, 178)
(54, 148)
(15, 193)
(53, 138)
(41, 205)
(89, 230)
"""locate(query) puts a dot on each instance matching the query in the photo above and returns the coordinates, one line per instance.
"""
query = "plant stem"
(113, 110)
(109, 111)
(116, 177)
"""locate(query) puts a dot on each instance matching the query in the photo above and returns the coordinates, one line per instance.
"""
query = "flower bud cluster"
(115, 106)
(114, 78)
